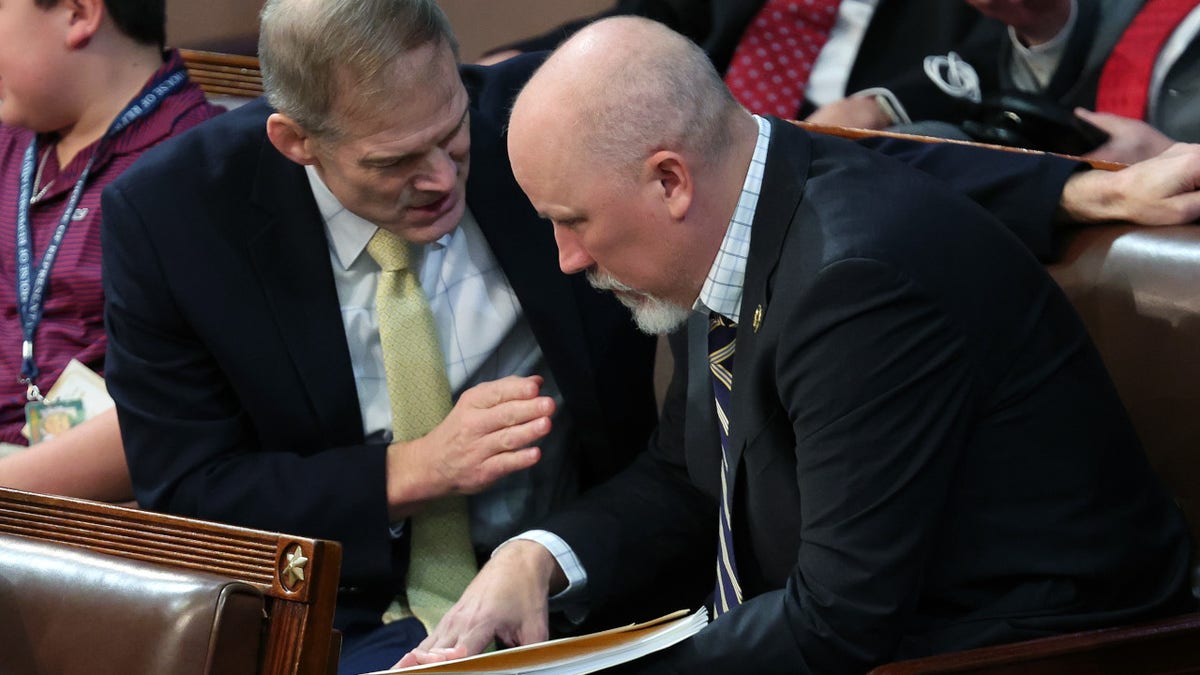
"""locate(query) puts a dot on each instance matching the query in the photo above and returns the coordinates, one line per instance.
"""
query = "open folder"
(577, 655)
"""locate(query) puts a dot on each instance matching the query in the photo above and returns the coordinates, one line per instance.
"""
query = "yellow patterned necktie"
(441, 560)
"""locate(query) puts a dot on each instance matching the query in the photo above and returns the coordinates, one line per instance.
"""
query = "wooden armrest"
(1167, 646)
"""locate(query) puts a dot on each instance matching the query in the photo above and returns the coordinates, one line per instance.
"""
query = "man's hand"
(858, 112)
(1158, 191)
(1130, 140)
(506, 601)
(1035, 21)
(484, 438)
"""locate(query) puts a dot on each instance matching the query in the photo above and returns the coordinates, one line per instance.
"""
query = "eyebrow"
(386, 160)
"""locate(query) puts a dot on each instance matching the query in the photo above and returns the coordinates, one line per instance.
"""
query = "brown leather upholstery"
(95, 588)
(70, 611)
(1138, 291)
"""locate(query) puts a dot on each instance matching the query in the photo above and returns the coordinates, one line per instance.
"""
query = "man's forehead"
(400, 122)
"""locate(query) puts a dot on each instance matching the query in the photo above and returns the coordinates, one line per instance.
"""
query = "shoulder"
(493, 88)
(213, 151)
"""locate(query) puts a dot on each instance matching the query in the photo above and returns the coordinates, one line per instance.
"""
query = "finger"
(515, 437)
(465, 641)
(491, 394)
(421, 657)
(1182, 209)
(498, 466)
(511, 414)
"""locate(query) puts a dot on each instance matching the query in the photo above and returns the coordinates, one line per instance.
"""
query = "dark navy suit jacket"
(926, 451)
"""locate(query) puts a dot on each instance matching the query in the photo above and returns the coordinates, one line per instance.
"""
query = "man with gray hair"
(275, 366)
(889, 434)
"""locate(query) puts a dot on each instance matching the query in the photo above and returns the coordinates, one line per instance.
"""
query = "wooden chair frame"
(223, 74)
(297, 576)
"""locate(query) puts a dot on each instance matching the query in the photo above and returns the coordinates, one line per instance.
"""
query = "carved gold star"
(293, 572)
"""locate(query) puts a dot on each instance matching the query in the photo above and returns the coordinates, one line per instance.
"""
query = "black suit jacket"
(900, 35)
(228, 358)
(927, 454)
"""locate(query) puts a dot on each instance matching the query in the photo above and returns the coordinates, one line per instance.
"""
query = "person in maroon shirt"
(69, 69)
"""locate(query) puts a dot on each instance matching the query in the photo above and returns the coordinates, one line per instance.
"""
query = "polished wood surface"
(851, 132)
(223, 74)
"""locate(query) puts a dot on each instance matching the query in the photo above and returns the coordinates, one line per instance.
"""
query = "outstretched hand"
(1161, 190)
(487, 435)
(507, 601)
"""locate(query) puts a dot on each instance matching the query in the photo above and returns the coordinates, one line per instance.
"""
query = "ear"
(673, 180)
(290, 139)
(83, 20)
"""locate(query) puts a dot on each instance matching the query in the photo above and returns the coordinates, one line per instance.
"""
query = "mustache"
(603, 281)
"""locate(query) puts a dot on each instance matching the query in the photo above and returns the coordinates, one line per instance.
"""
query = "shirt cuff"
(566, 559)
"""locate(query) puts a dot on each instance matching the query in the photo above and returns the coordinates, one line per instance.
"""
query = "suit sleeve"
(1022, 190)
(192, 447)
(649, 530)
(875, 448)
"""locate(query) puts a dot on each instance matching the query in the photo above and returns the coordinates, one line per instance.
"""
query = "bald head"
(624, 87)
(629, 142)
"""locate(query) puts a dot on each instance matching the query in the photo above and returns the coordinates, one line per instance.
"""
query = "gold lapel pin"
(758, 314)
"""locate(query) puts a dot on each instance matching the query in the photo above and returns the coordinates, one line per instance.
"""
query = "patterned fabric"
(73, 324)
(776, 53)
(721, 343)
(722, 289)
(441, 562)
(1125, 80)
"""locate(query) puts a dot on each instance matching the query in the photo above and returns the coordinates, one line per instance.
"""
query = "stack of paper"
(576, 655)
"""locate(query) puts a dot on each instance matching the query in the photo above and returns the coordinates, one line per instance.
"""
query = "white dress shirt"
(484, 336)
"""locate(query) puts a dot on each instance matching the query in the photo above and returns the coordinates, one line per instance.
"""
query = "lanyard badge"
(31, 282)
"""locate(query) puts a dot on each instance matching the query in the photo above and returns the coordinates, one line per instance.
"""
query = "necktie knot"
(390, 250)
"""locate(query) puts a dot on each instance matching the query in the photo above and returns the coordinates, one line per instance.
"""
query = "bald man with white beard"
(894, 468)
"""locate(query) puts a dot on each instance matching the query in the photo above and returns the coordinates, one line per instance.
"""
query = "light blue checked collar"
(722, 290)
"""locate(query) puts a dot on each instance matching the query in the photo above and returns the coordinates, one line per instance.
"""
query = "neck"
(116, 75)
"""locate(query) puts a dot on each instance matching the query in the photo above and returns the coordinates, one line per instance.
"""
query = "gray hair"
(311, 50)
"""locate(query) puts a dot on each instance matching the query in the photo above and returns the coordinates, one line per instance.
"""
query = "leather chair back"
(1138, 291)
(71, 611)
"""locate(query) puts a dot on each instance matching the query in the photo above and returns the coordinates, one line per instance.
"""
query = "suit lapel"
(788, 159)
(290, 255)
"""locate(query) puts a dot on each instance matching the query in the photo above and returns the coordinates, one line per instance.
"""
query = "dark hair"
(144, 21)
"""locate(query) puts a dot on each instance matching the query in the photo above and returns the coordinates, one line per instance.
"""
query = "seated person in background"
(896, 468)
(1133, 79)
(816, 55)
(71, 73)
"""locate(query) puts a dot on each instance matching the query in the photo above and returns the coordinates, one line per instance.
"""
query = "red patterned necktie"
(1125, 80)
(776, 54)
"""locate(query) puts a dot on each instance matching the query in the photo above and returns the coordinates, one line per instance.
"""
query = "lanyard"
(31, 284)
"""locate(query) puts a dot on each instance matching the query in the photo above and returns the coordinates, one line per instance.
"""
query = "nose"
(572, 257)
(440, 172)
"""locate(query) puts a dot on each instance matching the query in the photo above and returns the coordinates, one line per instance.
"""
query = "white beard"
(652, 315)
